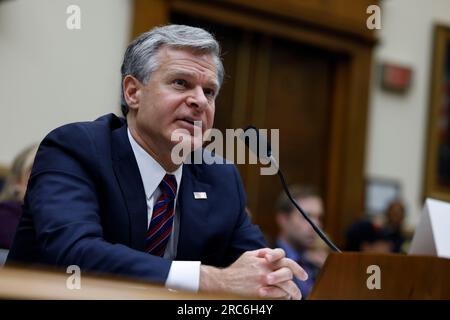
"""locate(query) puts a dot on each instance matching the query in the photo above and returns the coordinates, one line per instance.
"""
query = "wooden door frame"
(345, 186)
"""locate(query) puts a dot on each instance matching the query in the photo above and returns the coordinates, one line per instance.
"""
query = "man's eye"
(180, 82)
(209, 92)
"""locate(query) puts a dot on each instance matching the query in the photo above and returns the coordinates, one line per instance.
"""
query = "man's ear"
(132, 91)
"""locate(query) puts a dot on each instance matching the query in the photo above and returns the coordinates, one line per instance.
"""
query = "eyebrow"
(187, 74)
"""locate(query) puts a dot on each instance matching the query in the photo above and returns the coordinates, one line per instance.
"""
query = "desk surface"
(17, 283)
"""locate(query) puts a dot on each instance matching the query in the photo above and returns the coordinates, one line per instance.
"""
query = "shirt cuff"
(184, 275)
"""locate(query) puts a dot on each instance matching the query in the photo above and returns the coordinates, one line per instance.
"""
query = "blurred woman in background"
(13, 192)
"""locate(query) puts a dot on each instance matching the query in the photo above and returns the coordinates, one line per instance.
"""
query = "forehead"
(173, 59)
(312, 205)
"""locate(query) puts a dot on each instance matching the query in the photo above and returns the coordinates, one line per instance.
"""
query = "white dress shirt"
(184, 275)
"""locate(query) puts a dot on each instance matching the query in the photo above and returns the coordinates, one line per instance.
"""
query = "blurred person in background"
(296, 237)
(366, 236)
(11, 196)
(393, 226)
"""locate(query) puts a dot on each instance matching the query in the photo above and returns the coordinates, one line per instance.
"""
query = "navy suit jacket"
(85, 205)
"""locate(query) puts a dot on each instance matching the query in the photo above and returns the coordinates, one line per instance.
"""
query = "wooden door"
(274, 83)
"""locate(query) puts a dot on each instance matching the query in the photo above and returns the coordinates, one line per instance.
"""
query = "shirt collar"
(151, 171)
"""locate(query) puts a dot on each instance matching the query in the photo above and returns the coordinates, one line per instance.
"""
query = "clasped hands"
(264, 273)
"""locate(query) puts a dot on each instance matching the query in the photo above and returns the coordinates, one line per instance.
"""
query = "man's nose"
(197, 99)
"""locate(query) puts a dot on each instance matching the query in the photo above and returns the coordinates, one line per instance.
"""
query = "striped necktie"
(161, 225)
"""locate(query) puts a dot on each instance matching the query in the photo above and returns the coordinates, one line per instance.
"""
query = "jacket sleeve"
(246, 236)
(62, 202)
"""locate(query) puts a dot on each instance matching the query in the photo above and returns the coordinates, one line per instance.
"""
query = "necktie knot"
(168, 186)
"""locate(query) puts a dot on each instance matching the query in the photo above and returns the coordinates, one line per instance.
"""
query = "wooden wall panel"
(347, 16)
(148, 14)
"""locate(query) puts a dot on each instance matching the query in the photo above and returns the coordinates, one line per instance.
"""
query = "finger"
(291, 289)
(296, 269)
(261, 253)
(280, 275)
(275, 255)
(271, 255)
(273, 292)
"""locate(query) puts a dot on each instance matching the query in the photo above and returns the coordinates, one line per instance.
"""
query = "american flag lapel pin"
(200, 195)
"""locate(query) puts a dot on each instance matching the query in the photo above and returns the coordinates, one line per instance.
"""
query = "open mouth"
(195, 123)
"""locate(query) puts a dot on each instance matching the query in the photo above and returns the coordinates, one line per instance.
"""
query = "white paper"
(432, 235)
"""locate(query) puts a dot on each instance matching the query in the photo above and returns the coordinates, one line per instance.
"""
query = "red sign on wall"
(395, 77)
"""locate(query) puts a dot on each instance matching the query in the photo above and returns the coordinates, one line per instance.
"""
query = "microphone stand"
(273, 161)
(313, 225)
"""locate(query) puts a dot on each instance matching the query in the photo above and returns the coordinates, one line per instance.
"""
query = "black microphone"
(261, 141)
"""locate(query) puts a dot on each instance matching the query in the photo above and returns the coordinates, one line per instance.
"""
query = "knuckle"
(296, 292)
(262, 278)
(290, 274)
(291, 286)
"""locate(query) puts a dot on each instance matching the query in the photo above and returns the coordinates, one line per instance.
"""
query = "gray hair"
(140, 58)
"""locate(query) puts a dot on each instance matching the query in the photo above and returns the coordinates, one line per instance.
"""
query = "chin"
(189, 142)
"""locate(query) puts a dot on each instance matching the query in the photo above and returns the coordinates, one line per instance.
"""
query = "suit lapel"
(193, 215)
(193, 212)
(129, 178)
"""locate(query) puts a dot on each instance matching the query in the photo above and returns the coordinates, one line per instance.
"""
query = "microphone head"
(255, 146)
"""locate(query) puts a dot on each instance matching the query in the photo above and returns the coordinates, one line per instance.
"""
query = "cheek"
(303, 227)
(294, 226)
(163, 108)
(210, 117)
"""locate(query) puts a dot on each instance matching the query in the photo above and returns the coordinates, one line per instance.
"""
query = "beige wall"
(398, 122)
(51, 75)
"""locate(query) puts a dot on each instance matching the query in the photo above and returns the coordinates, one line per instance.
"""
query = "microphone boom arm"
(273, 162)
(313, 225)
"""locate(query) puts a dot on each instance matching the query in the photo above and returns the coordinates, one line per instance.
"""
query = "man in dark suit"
(107, 195)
